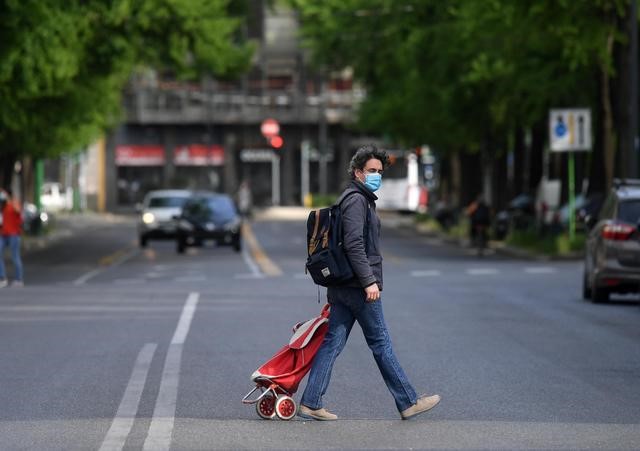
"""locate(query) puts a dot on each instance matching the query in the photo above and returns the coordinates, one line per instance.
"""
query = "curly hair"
(364, 154)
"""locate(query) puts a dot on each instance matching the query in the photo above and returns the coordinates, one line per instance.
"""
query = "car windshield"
(629, 211)
(166, 202)
(222, 208)
(217, 209)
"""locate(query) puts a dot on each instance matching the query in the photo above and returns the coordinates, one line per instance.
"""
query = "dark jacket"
(358, 209)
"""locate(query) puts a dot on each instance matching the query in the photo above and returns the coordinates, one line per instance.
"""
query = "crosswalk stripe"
(426, 273)
(540, 270)
(482, 271)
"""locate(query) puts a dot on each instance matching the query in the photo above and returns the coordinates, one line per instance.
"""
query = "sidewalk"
(500, 247)
(65, 225)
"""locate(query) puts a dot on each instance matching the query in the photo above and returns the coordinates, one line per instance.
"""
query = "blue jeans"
(347, 306)
(13, 243)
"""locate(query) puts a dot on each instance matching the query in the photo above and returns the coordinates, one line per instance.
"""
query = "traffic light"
(276, 142)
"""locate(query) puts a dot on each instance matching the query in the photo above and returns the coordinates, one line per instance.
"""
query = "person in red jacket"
(10, 237)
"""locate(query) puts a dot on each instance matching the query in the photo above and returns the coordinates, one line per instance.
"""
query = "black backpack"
(327, 262)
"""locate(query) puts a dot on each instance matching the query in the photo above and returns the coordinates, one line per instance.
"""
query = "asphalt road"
(109, 346)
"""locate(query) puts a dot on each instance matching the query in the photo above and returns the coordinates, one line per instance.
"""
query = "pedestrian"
(360, 300)
(244, 199)
(479, 221)
(10, 237)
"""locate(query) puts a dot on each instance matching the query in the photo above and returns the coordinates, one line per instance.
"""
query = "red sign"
(269, 128)
(198, 155)
(139, 155)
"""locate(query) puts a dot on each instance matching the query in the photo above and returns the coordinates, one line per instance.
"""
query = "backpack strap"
(313, 242)
(365, 234)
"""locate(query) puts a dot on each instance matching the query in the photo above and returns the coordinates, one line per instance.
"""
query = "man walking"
(10, 237)
(360, 300)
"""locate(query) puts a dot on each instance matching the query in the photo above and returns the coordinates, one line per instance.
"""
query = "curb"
(502, 248)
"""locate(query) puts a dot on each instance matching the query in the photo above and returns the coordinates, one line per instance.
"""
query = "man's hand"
(372, 292)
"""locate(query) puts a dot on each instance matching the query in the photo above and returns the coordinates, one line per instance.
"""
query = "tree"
(464, 75)
(64, 64)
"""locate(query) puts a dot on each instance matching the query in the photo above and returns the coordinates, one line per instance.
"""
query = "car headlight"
(44, 217)
(148, 218)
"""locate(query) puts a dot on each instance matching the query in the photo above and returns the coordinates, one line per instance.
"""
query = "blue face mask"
(373, 181)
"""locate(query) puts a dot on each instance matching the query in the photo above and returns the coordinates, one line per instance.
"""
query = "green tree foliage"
(453, 73)
(64, 64)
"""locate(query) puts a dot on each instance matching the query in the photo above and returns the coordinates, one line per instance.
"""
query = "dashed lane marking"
(540, 270)
(426, 273)
(482, 271)
(110, 261)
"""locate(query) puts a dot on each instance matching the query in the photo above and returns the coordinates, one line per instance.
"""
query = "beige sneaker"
(320, 414)
(3, 283)
(17, 284)
(423, 404)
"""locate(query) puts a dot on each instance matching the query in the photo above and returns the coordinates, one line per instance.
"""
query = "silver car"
(157, 213)
(612, 257)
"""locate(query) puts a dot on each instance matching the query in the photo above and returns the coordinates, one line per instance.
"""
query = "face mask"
(373, 181)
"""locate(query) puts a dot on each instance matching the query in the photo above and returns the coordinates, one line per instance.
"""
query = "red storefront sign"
(198, 155)
(139, 155)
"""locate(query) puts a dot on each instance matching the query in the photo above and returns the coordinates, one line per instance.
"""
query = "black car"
(209, 217)
(612, 254)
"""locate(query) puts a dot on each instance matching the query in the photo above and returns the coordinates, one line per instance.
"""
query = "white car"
(157, 213)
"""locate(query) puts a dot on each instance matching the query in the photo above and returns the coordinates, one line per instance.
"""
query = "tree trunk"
(608, 131)
(7, 161)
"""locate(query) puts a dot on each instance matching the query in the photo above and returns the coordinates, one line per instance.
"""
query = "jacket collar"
(357, 185)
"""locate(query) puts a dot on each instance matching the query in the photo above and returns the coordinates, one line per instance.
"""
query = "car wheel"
(586, 289)
(237, 245)
(180, 246)
(599, 294)
(143, 241)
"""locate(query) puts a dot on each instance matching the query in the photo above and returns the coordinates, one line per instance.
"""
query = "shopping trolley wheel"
(266, 407)
(286, 407)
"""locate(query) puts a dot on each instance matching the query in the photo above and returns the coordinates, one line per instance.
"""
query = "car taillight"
(617, 232)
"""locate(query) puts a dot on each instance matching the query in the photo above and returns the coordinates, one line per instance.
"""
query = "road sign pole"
(572, 200)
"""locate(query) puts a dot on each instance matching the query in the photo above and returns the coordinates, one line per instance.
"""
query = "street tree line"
(64, 64)
(475, 79)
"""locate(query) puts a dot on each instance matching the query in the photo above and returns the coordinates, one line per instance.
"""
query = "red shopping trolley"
(278, 378)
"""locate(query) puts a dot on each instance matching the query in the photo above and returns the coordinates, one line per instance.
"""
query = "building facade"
(207, 135)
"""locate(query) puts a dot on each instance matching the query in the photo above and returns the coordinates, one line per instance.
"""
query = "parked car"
(209, 217)
(54, 197)
(157, 212)
(584, 206)
(612, 256)
(520, 215)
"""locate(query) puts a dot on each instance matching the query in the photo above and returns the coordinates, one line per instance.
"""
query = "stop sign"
(269, 128)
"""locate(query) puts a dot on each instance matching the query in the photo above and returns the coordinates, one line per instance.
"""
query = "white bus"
(403, 183)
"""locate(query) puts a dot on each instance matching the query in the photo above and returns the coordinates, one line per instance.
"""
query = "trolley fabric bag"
(327, 262)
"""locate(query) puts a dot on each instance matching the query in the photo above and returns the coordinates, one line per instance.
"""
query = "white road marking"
(540, 270)
(191, 279)
(126, 414)
(161, 428)
(128, 281)
(482, 271)
(248, 276)
(91, 274)
(426, 273)
(253, 266)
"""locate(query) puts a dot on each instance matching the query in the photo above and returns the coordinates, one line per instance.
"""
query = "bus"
(404, 183)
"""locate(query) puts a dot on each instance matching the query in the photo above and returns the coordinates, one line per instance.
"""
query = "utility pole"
(633, 169)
